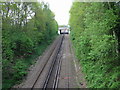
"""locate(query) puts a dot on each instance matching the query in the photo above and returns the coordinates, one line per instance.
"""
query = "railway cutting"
(56, 68)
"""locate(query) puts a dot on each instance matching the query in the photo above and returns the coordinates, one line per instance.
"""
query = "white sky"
(61, 10)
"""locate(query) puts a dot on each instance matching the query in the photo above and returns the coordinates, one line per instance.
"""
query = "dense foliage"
(95, 32)
(27, 30)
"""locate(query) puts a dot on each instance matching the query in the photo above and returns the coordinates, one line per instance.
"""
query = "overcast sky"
(61, 10)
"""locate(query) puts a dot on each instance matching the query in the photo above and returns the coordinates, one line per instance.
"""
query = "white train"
(64, 30)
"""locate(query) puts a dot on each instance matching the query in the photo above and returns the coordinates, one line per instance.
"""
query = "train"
(64, 30)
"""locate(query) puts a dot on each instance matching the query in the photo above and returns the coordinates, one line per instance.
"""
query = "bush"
(20, 69)
(25, 36)
(95, 43)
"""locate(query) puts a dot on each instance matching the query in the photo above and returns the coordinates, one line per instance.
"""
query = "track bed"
(56, 68)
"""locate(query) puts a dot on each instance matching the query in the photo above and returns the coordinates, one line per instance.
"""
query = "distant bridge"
(64, 30)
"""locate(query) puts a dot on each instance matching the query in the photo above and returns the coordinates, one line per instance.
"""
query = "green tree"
(25, 28)
(96, 42)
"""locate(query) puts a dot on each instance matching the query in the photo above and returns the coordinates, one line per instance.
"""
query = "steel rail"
(52, 66)
(44, 67)
(57, 74)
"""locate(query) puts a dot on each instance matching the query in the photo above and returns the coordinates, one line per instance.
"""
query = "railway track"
(51, 80)
(49, 69)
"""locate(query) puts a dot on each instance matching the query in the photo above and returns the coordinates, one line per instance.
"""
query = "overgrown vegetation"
(95, 32)
(28, 28)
